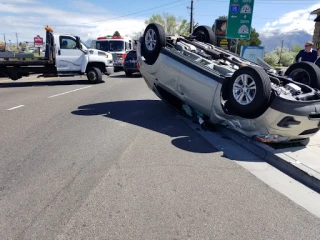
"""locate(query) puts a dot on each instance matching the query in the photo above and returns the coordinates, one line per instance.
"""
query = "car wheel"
(94, 75)
(154, 39)
(305, 72)
(204, 34)
(128, 74)
(249, 91)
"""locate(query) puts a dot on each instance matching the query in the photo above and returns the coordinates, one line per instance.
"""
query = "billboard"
(38, 41)
(251, 53)
(220, 28)
(224, 43)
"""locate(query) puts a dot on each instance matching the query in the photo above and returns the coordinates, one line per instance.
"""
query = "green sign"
(239, 19)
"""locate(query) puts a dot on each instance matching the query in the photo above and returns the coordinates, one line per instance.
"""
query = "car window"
(102, 45)
(116, 46)
(67, 42)
(110, 46)
(132, 54)
(127, 46)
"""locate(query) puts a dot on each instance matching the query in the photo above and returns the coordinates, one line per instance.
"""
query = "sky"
(89, 19)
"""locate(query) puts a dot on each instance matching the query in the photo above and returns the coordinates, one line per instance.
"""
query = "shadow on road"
(153, 115)
(134, 75)
(18, 84)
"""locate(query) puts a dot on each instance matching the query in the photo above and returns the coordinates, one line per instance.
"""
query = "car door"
(197, 87)
(68, 57)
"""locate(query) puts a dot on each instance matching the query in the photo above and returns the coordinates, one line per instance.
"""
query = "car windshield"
(84, 44)
(110, 46)
(132, 54)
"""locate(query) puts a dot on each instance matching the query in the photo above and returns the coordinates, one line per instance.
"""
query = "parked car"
(218, 86)
(130, 63)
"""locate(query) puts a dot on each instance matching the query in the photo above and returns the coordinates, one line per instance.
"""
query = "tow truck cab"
(118, 46)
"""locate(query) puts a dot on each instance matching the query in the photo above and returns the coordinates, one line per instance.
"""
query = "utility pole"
(5, 43)
(17, 41)
(280, 53)
(191, 17)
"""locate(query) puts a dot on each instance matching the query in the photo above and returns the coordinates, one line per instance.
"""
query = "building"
(316, 34)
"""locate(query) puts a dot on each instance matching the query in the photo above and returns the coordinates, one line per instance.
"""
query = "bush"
(271, 58)
(286, 59)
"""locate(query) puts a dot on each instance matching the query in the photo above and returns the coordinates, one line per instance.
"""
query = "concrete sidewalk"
(301, 163)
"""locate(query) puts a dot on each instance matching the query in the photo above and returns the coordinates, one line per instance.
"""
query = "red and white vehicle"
(118, 46)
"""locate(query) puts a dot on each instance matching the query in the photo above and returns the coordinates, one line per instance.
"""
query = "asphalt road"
(111, 161)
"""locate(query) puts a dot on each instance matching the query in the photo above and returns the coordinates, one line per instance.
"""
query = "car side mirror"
(78, 43)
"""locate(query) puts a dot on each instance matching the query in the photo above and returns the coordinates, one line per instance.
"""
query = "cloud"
(29, 17)
(295, 20)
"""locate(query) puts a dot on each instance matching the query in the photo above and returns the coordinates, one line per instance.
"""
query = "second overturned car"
(218, 86)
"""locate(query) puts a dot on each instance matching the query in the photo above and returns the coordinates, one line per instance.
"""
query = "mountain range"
(273, 38)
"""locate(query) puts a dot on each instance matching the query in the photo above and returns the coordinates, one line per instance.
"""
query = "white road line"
(68, 92)
(15, 107)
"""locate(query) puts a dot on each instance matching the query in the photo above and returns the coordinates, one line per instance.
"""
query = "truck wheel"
(154, 39)
(14, 76)
(305, 72)
(94, 75)
(249, 91)
(204, 34)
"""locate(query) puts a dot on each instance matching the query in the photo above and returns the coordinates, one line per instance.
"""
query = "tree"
(271, 58)
(116, 34)
(286, 59)
(136, 35)
(296, 48)
(170, 23)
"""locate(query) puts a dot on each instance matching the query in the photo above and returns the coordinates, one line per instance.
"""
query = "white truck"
(66, 55)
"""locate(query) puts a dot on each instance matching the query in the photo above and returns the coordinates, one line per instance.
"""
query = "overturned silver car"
(191, 74)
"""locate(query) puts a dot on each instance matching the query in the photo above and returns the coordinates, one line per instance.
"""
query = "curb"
(281, 161)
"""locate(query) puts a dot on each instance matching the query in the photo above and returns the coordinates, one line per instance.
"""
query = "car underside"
(218, 86)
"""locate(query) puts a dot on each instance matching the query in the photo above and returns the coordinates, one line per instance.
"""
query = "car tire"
(305, 72)
(246, 102)
(128, 74)
(154, 39)
(94, 75)
(204, 34)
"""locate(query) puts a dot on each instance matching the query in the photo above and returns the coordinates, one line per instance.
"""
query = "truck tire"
(305, 72)
(94, 75)
(154, 39)
(204, 34)
(249, 91)
(14, 76)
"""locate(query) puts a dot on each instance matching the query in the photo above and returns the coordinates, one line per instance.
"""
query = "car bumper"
(130, 69)
(109, 70)
(285, 120)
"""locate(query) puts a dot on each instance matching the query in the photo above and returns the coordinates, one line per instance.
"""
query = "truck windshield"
(84, 44)
(110, 46)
